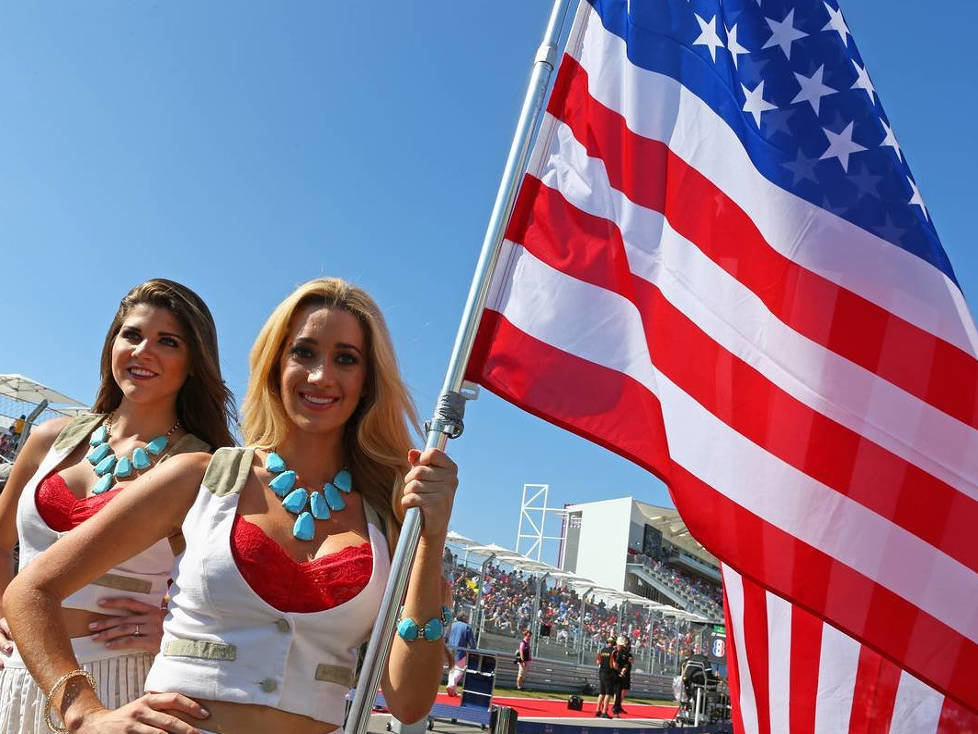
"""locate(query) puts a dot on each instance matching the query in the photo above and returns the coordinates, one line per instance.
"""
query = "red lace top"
(60, 509)
(298, 586)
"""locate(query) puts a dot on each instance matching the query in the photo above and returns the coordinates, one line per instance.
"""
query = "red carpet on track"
(555, 708)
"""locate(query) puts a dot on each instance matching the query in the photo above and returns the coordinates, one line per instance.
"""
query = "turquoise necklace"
(110, 467)
(320, 503)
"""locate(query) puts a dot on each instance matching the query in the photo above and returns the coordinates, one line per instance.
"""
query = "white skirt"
(120, 675)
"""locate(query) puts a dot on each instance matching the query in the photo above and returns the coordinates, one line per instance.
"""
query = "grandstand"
(505, 592)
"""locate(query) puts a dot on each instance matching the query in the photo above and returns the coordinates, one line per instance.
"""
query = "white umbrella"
(26, 390)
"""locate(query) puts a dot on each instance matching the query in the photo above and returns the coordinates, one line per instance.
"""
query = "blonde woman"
(288, 544)
(161, 394)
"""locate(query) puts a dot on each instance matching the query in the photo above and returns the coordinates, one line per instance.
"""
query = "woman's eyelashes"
(342, 358)
(134, 336)
(301, 353)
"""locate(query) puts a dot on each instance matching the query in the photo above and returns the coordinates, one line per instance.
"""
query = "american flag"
(721, 268)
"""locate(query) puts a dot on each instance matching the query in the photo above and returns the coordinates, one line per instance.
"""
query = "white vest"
(223, 642)
(143, 577)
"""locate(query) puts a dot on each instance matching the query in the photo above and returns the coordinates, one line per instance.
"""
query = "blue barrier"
(465, 714)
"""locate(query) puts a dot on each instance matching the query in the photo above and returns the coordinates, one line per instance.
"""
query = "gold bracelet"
(79, 673)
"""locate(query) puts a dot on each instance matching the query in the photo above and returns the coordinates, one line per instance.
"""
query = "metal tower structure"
(533, 516)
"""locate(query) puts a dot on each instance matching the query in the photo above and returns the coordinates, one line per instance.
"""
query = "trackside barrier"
(554, 677)
(504, 720)
(537, 727)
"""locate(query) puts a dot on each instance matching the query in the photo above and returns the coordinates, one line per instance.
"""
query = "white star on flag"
(812, 89)
(708, 35)
(841, 146)
(890, 139)
(784, 33)
(733, 46)
(755, 103)
(916, 198)
(837, 23)
(863, 81)
(802, 169)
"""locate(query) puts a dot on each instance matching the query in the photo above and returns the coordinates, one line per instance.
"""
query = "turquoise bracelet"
(409, 631)
(431, 630)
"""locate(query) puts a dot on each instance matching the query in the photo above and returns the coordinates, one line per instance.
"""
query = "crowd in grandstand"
(507, 604)
(697, 588)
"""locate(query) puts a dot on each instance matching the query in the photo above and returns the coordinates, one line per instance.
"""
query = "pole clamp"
(448, 415)
(547, 53)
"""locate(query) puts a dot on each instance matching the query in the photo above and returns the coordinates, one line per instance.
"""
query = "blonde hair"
(377, 437)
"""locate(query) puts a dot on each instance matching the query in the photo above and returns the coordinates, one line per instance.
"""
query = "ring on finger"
(137, 632)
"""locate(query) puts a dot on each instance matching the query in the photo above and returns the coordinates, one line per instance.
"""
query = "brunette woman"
(161, 395)
(288, 545)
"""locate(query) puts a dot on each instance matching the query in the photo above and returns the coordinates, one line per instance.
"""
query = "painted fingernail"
(204, 712)
(93, 626)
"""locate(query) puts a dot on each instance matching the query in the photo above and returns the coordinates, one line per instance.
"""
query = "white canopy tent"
(22, 396)
(26, 390)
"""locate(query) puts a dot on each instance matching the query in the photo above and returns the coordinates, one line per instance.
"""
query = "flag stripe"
(780, 652)
(955, 719)
(591, 249)
(874, 694)
(917, 708)
(656, 106)
(756, 645)
(806, 643)
(836, 680)
(735, 318)
(829, 315)
(733, 673)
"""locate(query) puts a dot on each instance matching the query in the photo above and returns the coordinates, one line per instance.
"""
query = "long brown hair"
(377, 436)
(205, 406)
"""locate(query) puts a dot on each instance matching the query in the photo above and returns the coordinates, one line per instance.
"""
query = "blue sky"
(243, 148)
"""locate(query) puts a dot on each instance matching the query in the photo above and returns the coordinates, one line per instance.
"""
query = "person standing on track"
(623, 664)
(607, 677)
(523, 658)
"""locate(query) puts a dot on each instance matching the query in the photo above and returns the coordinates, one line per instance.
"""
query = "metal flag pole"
(446, 421)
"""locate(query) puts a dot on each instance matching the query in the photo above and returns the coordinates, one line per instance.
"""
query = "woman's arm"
(414, 669)
(28, 460)
(151, 508)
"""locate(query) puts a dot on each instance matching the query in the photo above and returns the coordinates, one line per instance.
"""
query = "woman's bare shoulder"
(49, 430)
(188, 467)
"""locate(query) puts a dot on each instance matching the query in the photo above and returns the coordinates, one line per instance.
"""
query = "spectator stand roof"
(583, 585)
(668, 522)
(19, 395)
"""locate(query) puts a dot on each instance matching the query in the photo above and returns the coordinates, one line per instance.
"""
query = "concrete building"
(633, 546)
